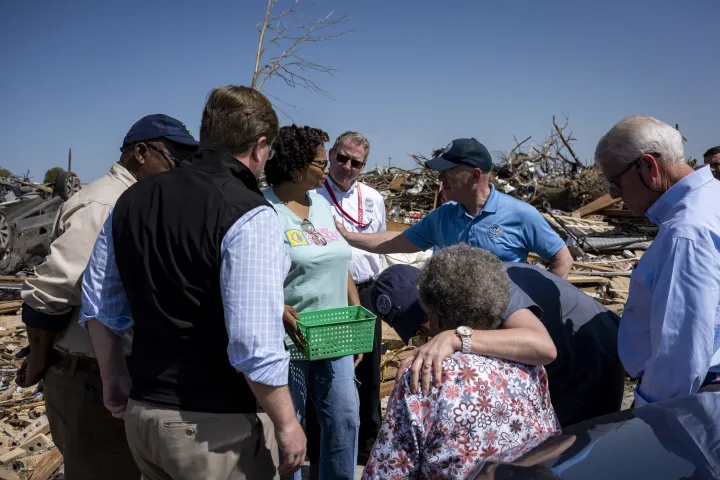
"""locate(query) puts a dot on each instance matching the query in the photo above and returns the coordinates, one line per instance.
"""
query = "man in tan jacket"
(92, 442)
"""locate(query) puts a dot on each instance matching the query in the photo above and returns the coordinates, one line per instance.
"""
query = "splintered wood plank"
(7, 474)
(48, 466)
(587, 280)
(593, 266)
(39, 426)
(386, 388)
(37, 443)
(13, 454)
(596, 205)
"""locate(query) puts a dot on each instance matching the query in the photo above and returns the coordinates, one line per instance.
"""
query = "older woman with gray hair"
(484, 406)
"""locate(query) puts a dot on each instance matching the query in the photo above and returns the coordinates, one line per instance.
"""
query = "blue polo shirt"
(507, 227)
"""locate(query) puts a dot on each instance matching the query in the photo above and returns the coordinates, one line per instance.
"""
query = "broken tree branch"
(566, 143)
(290, 39)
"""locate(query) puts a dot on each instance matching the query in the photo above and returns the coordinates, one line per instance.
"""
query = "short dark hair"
(234, 118)
(711, 152)
(464, 285)
(295, 147)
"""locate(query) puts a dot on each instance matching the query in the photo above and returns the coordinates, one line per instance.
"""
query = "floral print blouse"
(485, 408)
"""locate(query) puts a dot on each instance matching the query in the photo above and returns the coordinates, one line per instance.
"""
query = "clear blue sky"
(415, 74)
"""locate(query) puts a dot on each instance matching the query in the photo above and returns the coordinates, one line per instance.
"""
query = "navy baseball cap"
(395, 299)
(159, 126)
(462, 151)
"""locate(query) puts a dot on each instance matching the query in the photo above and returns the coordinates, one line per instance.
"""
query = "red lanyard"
(345, 214)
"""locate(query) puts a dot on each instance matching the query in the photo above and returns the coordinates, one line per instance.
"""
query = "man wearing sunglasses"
(669, 334)
(92, 441)
(360, 208)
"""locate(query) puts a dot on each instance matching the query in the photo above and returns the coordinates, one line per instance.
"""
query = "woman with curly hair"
(319, 278)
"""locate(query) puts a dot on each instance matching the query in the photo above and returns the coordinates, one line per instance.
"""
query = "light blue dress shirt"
(670, 330)
(507, 227)
(253, 268)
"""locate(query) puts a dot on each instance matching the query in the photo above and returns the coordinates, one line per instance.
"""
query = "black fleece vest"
(167, 233)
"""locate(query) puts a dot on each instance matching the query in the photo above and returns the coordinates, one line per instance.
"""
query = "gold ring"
(426, 366)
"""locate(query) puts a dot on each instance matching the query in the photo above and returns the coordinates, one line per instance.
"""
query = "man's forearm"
(381, 242)
(41, 342)
(275, 401)
(108, 348)
(522, 345)
(561, 263)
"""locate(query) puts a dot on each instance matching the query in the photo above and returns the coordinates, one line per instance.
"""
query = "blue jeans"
(332, 388)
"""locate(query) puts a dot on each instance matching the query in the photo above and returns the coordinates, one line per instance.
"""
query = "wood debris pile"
(409, 194)
(27, 450)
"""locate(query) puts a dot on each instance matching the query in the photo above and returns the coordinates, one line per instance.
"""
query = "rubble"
(26, 447)
(27, 215)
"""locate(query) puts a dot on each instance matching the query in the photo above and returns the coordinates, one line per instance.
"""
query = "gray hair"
(462, 285)
(356, 139)
(632, 137)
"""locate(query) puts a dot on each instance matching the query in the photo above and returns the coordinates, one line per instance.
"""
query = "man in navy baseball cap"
(51, 305)
(474, 212)
(156, 143)
(462, 151)
(395, 300)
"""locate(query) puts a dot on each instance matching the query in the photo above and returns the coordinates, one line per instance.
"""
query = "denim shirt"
(670, 330)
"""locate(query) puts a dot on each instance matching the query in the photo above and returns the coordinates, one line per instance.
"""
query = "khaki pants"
(92, 442)
(181, 445)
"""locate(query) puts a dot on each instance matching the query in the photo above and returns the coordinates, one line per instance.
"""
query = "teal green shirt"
(318, 275)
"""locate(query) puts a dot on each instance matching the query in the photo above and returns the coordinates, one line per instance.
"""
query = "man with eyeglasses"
(92, 442)
(669, 333)
(359, 208)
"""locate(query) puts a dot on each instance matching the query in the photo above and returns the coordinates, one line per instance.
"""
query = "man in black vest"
(193, 260)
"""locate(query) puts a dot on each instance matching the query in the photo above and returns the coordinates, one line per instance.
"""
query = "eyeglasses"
(320, 163)
(169, 157)
(342, 159)
(309, 228)
(612, 181)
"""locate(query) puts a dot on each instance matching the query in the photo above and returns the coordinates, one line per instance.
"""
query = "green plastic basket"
(335, 332)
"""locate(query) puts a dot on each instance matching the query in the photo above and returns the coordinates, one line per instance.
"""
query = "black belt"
(365, 284)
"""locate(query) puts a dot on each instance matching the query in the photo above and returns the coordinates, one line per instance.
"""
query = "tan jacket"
(57, 289)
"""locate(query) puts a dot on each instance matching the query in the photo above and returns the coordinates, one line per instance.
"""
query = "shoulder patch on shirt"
(369, 203)
(296, 238)
(494, 230)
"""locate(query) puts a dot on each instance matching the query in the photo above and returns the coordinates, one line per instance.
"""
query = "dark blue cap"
(396, 300)
(463, 151)
(159, 126)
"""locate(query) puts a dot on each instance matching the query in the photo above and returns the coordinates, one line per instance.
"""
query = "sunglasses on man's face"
(342, 159)
(169, 157)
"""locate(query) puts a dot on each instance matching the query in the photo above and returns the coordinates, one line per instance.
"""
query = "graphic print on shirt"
(298, 238)
(494, 230)
(369, 205)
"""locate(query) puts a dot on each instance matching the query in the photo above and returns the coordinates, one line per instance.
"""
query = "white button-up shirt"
(363, 265)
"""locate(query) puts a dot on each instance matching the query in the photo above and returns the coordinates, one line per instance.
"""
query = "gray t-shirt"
(587, 378)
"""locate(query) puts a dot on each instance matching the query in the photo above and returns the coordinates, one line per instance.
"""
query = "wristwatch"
(464, 333)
